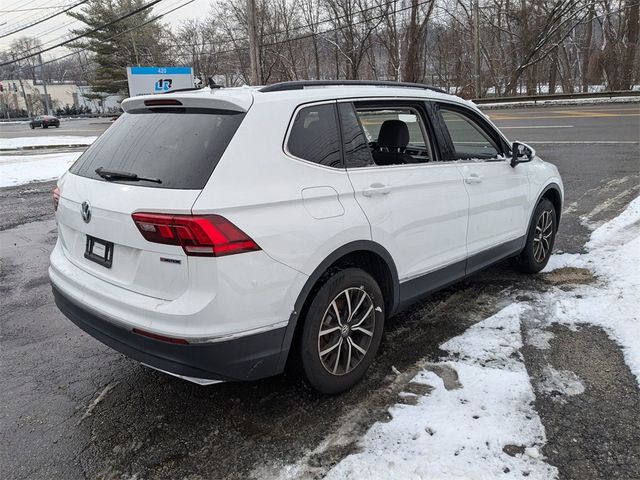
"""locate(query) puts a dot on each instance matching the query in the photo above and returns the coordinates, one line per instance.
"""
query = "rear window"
(181, 149)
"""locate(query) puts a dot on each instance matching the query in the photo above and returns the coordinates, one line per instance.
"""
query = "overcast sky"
(56, 29)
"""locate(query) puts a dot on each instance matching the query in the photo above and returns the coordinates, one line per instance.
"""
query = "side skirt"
(417, 288)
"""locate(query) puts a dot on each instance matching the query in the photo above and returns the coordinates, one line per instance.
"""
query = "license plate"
(99, 251)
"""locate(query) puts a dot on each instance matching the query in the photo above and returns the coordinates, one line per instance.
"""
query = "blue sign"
(152, 80)
(161, 70)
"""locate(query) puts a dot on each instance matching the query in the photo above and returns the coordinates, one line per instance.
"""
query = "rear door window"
(395, 134)
(181, 148)
(314, 136)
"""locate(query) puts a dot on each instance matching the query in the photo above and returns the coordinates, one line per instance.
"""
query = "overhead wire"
(37, 22)
(77, 37)
(80, 50)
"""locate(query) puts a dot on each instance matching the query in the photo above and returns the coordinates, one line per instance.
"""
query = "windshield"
(180, 148)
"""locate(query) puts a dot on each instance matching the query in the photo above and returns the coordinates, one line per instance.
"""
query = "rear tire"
(540, 239)
(342, 331)
(45, 126)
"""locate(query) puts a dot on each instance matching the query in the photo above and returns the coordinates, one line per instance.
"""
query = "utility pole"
(24, 94)
(133, 40)
(254, 49)
(399, 30)
(44, 85)
(476, 41)
(135, 49)
(26, 100)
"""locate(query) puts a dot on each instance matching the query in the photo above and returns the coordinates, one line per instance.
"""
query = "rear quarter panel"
(260, 189)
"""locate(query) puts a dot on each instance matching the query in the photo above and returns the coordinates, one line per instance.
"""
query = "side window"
(395, 134)
(468, 138)
(314, 136)
(356, 146)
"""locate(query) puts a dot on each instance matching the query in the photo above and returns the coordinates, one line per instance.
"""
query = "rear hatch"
(155, 158)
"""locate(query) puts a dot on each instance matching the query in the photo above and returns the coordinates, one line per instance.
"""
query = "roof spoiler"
(187, 99)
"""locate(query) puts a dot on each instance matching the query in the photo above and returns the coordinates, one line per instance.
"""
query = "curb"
(44, 147)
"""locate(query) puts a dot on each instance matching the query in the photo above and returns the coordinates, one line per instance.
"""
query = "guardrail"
(558, 96)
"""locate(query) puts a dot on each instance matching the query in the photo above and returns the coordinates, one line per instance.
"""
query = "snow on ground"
(19, 169)
(483, 425)
(613, 256)
(566, 101)
(62, 140)
(459, 429)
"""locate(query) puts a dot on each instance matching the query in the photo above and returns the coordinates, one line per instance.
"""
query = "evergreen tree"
(111, 56)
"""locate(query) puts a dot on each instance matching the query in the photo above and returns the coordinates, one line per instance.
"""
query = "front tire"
(342, 331)
(540, 238)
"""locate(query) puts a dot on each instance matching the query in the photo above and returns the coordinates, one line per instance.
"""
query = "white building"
(60, 95)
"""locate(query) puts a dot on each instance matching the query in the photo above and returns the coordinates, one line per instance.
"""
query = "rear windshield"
(180, 149)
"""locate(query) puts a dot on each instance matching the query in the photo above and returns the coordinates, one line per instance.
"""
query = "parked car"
(44, 121)
(227, 234)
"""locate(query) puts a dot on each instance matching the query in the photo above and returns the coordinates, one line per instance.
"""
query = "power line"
(312, 34)
(106, 39)
(233, 49)
(19, 29)
(29, 9)
(301, 27)
(70, 40)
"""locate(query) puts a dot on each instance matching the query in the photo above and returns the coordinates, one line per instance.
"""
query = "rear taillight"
(204, 236)
(56, 198)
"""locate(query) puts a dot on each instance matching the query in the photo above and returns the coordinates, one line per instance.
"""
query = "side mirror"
(521, 153)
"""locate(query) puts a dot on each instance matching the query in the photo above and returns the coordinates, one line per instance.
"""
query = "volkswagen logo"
(345, 330)
(85, 210)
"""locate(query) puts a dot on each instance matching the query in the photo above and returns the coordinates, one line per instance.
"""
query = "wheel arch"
(365, 254)
(553, 193)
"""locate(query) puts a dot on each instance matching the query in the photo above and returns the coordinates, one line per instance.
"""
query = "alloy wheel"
(542, 236)
(346, 331)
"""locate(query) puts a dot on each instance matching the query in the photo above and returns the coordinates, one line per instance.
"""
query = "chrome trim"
(234, 335)
(199, 381)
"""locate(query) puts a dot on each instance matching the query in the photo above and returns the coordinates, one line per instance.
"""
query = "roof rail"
(301, 84)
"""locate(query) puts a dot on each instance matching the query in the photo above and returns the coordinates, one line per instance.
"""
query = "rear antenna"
(212, 83)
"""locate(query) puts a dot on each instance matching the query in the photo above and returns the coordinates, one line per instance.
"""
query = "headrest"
(393, 134)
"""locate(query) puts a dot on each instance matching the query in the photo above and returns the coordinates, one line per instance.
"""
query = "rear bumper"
(246, 358)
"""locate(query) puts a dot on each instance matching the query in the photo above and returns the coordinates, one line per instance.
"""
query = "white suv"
(221, 234)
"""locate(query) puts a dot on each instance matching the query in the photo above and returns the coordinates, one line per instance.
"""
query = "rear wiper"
(110, 175)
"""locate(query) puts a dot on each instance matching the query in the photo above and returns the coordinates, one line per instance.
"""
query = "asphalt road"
(72, 408)
(84, 127)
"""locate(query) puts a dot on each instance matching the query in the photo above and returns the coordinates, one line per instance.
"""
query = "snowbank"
(613, 255)
(460, 430)
(53, 141)
(566, 101)
(19, 169)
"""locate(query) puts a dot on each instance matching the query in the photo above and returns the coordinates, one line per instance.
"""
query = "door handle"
(473, 178)
(376, 189)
